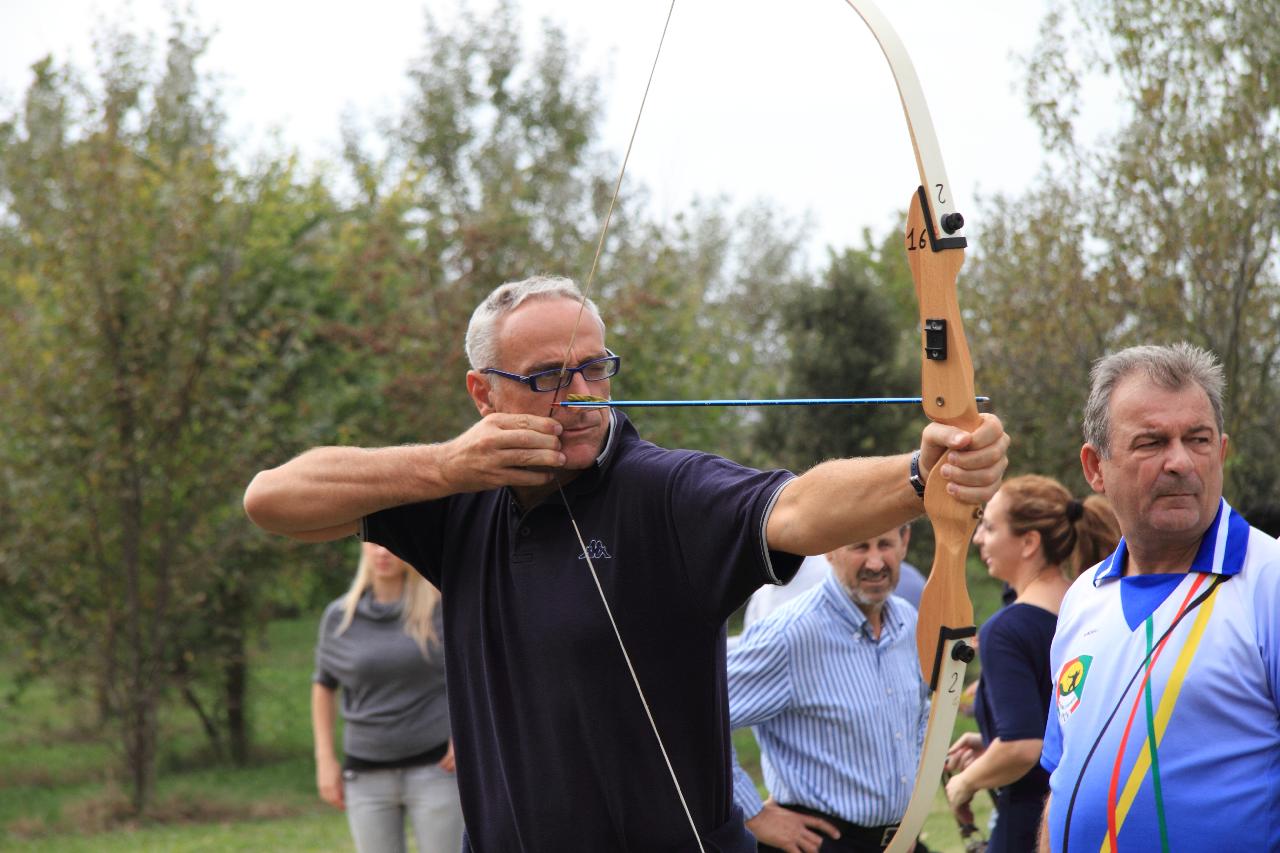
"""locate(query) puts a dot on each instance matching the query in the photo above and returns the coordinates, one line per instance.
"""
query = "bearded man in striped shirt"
(831, 686)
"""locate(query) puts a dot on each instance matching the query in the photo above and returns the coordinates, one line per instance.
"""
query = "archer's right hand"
(503, 450)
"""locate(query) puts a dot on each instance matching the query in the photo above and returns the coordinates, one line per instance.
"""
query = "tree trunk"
(235, 672)
(140, 749)
(235, 682)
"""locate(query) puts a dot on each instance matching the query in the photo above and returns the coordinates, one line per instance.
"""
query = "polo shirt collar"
(838, 597)
(610, 440)
(620, 429)
(1222, 548)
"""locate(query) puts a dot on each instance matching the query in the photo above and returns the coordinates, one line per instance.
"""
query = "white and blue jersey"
(1165, 729)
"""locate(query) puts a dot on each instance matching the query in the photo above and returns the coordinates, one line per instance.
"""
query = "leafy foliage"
(1165, 231)
(847, 337)
(158, 312)
(490, 175)
(175, 320)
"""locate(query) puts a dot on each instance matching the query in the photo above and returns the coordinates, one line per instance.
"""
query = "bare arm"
(1045, 846)
(323, 493)
(328, 771)
(1001, 763)
(847, 500)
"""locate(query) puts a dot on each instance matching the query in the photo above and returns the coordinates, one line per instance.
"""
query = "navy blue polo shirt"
(553, 747)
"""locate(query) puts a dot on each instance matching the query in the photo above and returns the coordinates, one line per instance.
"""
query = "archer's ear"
(1091, 462)
(481, 392)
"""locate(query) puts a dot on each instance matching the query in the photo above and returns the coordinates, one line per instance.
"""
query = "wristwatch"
(916, 482)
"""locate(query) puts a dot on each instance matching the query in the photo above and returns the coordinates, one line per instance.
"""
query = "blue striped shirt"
(840, 716)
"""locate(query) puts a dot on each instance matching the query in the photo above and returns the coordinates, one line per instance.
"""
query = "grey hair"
(1170, 367)
(482, 337)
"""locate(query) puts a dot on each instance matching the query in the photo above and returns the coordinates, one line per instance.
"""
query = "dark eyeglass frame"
(562, 379)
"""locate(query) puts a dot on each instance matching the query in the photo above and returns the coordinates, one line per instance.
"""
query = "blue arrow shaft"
(797, 401)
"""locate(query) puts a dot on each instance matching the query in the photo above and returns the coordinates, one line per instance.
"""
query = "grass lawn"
(56, 763)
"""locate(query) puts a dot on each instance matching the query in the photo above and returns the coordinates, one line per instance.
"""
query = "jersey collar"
(1222, 548)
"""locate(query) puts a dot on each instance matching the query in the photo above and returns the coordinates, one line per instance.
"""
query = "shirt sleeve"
(745, 795)
(321, 675)
(759, 689)
(407, 532)
(923, 728)
(759, 678)
(1017, 696)
(719, 510)
(1051, 752)
(1266, 605)
(922, 725)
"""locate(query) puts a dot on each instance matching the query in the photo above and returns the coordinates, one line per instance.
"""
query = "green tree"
(849, 337)
(492, 173)
(696, 309)
(1033, 332)
(1165, 230)
(157, 307)
(486, 176)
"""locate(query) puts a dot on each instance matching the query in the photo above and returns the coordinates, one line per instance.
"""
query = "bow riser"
(947, 382)
(945, 623)
(946, 375)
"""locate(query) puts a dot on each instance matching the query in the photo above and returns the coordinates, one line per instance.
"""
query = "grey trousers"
(379, 800)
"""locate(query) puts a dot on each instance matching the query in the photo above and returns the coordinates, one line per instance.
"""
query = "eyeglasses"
(553, 380)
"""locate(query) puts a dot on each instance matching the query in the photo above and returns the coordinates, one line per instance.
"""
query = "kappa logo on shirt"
(1071, 685)
(596, 550)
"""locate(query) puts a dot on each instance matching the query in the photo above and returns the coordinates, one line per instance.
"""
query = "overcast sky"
(789, 100)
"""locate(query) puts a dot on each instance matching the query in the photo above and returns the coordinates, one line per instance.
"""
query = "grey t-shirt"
(393, 699)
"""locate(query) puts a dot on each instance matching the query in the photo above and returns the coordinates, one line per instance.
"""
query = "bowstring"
(564, 366)
(613, 200)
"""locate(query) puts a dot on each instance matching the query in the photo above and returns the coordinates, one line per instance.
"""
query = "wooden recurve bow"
(935, 252)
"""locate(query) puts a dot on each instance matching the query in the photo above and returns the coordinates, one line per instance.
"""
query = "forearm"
(1003, 763)
(323, 716)
(842, 501)
(324, 493)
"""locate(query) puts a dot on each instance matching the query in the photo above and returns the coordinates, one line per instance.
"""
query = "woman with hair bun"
(1035, 537)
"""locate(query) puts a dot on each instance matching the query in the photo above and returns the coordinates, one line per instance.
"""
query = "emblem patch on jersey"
(1071, 685)
(597, 551)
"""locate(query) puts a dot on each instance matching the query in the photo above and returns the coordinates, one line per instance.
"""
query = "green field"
(57, 791)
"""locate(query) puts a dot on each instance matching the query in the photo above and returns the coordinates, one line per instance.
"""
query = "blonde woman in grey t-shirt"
(380, 644)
